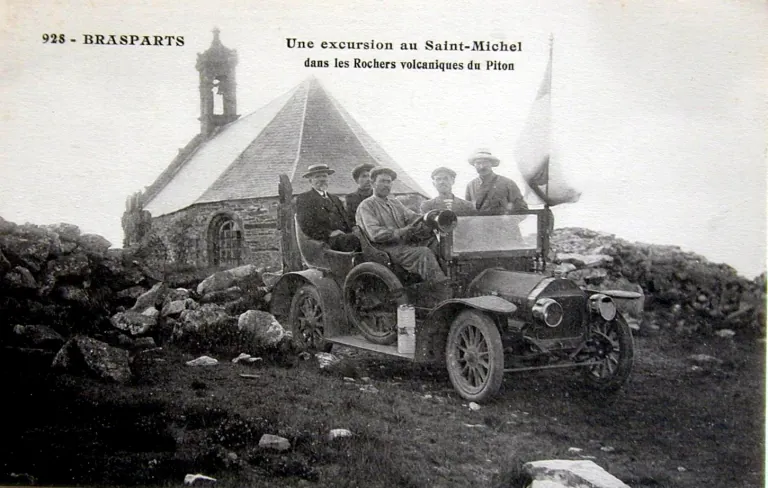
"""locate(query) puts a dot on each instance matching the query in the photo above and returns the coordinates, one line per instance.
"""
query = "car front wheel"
(474, 356)
(613, 349)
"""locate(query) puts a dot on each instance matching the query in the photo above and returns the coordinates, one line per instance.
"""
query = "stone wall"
(188, 233)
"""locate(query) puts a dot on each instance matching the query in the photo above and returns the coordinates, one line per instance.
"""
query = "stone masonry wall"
(187, 233)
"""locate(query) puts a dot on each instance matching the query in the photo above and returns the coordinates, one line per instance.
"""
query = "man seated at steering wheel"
(400, 231)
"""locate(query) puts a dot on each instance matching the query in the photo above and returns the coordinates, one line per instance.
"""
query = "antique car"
(509, 312)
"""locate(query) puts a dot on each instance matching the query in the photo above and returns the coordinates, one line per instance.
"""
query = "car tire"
(617, 353)
(474, 356)
(306, 320)
(371, 299)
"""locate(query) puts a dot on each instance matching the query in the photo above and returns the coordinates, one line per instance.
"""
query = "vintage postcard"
(554, 188)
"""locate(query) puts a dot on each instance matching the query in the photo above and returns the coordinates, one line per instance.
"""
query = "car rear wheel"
(614, 349)
(371, 297)
(307, 320)
(474, 356)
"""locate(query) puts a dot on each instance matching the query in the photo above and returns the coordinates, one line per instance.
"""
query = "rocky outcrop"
(680, 288)
(56, 276)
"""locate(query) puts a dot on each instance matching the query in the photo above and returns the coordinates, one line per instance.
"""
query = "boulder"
(338, 433)
(37, 336)
(263, 327)
(133, 322)
(226, 279)
(72, 267)
(66, 232)
(271, 278)
(74, 294)
(153, 297)
(222, 296)
(151, 312)
(205, 315)
(203, 361)
(29, 248)
(570, 473)
(94, 244)
(585, 260)
(269, 441)
(174, 308)
(176, 294)
(98, 358)
(20, 278)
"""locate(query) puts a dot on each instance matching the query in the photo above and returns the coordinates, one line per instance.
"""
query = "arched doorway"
(225, 241)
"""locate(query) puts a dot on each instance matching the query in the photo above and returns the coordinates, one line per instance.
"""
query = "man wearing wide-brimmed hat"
(492, 194)
(321, 215)
(397, 230)
(362, 176)
(443, 179)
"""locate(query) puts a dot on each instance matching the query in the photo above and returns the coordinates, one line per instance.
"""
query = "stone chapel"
(216, 203)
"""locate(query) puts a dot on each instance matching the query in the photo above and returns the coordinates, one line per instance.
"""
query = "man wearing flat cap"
(321, 215)
(443, 179)
(492, 194)
(362, 176)
(395, 229)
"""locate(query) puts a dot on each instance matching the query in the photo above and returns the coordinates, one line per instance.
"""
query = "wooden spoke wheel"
(474, 356)
(372, 294)
(307, 319)
(614, 349)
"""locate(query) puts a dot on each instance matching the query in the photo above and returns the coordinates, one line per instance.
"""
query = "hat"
(377, 171)
(360, 168)
(443, 169)
(484, 154)
(318, 168)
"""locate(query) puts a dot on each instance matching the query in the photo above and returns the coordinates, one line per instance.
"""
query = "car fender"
(432, 334)
(330, 296)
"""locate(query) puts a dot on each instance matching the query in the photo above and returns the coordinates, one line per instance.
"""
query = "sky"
(660, 109)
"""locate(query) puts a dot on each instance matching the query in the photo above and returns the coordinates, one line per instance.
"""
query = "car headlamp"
(602, 305)
(548, 311)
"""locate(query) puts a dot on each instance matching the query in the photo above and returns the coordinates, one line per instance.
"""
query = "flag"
(534, 149)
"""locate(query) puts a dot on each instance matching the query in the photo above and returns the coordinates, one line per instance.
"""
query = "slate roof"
(245, 158)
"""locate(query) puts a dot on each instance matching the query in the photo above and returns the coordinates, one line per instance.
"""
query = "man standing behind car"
(492, 194)
(321, 215)
(443, 179)
(362, 176)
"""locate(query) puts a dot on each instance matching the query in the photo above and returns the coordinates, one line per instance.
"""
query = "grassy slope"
(415, 431)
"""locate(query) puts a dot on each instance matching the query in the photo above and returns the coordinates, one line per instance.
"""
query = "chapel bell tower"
(218, 102)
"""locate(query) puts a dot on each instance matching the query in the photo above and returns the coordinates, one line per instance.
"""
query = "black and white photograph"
(373, 244)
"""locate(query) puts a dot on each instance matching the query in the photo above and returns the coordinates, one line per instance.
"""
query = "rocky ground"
(99, 354)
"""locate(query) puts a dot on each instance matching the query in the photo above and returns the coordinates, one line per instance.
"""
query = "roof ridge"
(308, 83)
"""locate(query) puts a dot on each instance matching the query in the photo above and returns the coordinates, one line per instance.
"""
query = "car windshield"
(496, 233)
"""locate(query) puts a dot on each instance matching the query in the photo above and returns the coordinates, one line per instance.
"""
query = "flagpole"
(550, 216)
(551, 42)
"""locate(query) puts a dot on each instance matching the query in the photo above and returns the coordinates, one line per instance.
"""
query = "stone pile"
(683, 289)
(67, 295)
(57, 276)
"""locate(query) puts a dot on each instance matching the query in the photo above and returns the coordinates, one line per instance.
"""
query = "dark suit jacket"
(318, 216)
(353, 201)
